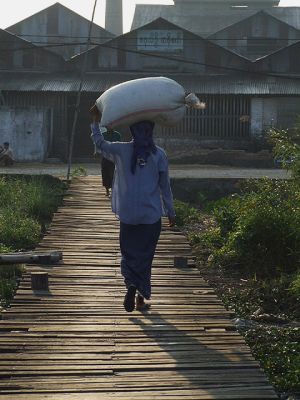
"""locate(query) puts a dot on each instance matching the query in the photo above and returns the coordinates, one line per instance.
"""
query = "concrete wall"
(57, 104)
(28, 130)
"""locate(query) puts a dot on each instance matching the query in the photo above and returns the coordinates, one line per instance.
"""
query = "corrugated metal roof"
(72, 29)
(99, 82)
(289, 15)
(205, 21)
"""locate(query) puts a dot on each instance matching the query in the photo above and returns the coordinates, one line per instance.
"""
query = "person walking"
(141, 195)
(107, 166)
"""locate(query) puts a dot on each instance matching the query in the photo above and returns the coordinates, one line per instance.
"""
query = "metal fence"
(225, 117)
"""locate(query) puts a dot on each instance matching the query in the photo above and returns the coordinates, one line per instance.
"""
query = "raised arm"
(108, 149)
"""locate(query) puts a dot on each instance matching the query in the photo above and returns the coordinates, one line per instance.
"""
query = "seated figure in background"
(6, 155)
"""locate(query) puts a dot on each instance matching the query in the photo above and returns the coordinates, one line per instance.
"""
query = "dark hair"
(6, 144)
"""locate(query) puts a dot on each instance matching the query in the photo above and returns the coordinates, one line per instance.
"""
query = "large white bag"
(158, 99)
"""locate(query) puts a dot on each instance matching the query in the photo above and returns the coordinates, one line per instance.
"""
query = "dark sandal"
(140, 304)
(144, 307)
(129, 300)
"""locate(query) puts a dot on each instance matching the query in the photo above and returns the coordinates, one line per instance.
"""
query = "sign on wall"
(160, 40)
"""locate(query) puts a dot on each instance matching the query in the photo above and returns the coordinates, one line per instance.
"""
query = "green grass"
(17, 230)
(27, 204)
(9, 275)
(36, 197)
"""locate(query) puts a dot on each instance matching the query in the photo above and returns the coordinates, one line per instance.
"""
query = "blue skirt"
(138, 244)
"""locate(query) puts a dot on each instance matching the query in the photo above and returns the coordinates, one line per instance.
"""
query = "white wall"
(279, 112)
(27, 130)
(264, 113)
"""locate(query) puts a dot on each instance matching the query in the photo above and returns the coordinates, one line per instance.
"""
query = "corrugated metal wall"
(226, 117)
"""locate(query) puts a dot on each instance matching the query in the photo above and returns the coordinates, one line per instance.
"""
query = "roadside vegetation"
(26, 208)
(247, 246)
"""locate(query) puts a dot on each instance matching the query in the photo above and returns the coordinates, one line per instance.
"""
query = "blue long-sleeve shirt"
(139, 198)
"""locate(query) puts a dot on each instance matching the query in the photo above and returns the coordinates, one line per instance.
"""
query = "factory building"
(243, 63)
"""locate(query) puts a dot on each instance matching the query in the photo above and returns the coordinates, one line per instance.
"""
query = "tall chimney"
(114, 17)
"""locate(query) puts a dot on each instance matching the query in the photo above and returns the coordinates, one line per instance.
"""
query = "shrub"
(226, 212)
(262, 228)
(209, 239)
(287, 148)
(185, 214)
(78, 171)
(295, 286)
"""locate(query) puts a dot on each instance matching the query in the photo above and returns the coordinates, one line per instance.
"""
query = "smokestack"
(114, 17)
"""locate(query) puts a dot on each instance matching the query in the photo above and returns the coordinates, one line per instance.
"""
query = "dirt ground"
(192, 171)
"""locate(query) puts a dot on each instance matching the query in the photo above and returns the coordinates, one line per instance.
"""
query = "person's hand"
(95, 114)
(172, 222)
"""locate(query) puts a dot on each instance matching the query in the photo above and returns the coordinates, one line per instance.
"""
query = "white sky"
(15, 10)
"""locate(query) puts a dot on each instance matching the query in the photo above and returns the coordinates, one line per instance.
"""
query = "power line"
(240, 51)
(200, 39)
(134, 37)
(44, 44)
(165, 57)
(36, 42)
(177, 59)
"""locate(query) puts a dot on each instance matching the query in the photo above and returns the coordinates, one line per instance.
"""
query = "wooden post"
(180, 262)
(39, 281)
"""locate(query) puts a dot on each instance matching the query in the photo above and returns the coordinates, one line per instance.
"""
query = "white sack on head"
(158, 99)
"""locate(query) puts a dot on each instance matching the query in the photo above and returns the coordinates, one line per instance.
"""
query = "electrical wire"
(169, 58)
(177, 59)
(31, 47)
(226, 47)
(134, 37)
